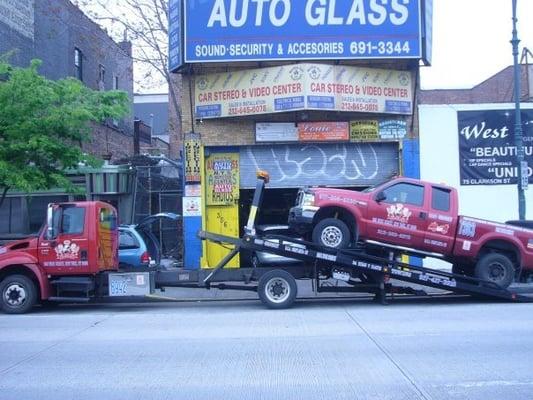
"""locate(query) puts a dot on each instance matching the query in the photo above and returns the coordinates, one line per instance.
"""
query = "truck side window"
(108, 219)
(405, 193)
(73, 220)
(440, 199)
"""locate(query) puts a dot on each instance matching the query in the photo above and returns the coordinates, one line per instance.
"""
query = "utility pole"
(519, 142)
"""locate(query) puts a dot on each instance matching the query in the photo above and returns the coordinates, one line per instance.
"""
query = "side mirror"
(51, 222)
(380, 197)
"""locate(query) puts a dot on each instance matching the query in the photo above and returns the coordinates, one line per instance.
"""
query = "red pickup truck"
(416, 217)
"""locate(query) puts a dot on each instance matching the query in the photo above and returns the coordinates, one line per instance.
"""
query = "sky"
(471, 41)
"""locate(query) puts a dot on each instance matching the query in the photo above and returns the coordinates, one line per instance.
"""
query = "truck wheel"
(19, 294)
(331, 232)
(495, 268)
(277, 289)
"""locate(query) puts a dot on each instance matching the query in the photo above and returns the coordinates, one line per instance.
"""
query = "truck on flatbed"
(74, 259)
(415, 217)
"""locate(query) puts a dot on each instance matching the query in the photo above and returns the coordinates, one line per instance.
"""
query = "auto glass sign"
(255, 30)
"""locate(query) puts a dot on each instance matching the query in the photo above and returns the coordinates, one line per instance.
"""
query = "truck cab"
(78, 239)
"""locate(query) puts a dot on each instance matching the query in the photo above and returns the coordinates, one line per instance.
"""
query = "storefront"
(333, 116)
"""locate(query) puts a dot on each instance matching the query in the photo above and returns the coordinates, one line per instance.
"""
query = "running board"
(67, 299)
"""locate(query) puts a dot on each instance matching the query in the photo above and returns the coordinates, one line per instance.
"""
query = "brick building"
(498, 88)
(72, 45)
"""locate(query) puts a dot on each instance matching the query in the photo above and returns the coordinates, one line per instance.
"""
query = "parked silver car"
(260, 259)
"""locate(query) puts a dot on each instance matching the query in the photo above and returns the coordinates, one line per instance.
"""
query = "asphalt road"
(337, 349)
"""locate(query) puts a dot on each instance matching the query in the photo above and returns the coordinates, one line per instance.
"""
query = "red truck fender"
(351, 216)
(27, 265)
(491, 240)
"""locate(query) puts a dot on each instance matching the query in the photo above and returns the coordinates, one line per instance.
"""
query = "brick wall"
(175, 123)
(106, 140)
(498, 88)
(156, 148)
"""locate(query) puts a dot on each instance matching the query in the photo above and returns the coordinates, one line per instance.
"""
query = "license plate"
(118, 288)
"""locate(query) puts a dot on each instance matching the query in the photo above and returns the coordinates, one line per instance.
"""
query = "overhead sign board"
(175, 35)
(303, 87)
(323, 131)
(487, 150)
(276, 132)
(259, 30)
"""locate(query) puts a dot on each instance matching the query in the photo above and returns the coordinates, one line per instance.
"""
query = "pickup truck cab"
(417, 217)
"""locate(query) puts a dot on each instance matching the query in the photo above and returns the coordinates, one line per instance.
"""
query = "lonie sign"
(303, 87)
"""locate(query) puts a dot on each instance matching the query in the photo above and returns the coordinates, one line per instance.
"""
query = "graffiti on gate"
(311, 164)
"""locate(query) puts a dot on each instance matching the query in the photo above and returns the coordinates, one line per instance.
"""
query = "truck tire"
(277, 289)
(18, 294)
(332, 232)
(497, 268)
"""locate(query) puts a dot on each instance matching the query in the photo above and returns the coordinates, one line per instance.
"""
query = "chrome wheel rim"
(15, 295)
(277, 290)
(331, 236)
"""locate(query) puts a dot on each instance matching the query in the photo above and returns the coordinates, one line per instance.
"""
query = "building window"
(101, 77)
(78, 63)
(115, 83)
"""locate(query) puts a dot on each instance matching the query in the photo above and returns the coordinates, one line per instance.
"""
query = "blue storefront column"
(411, 169)
(192, 246)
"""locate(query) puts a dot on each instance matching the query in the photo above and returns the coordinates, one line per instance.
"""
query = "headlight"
(308, 199)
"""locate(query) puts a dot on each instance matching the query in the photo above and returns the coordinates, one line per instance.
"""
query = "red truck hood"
(340, 196)
(27, 245)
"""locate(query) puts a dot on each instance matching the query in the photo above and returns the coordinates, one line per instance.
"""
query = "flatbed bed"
(360, 271)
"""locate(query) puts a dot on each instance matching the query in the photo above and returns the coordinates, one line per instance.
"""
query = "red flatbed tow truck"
(74, 259)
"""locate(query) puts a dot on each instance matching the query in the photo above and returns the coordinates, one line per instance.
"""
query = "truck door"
(441, 222)
(68, 251)
(398, 215)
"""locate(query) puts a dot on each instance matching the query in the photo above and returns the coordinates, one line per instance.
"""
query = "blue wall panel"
(192, 245)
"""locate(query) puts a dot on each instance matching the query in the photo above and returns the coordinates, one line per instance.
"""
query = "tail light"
(145, 258)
